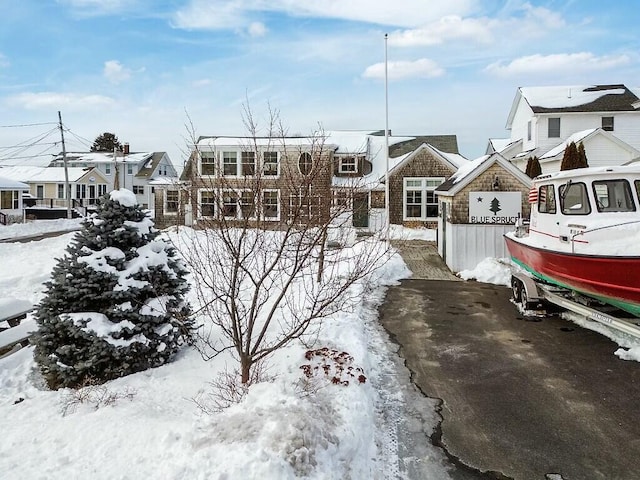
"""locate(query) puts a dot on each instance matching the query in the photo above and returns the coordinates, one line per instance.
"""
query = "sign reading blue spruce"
(495, 207)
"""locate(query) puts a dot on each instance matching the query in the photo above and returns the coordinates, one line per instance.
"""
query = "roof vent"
(569, 92)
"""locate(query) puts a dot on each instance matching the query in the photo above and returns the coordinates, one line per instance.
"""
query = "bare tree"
(273, 253)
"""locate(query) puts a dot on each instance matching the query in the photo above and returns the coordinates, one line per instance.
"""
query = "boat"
(583, 234)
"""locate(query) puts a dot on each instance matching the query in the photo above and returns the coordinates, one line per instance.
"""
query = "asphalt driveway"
(526, 400)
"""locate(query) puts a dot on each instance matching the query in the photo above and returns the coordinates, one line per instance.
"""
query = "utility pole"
(116, 176)
(387, 192)
(67, 188)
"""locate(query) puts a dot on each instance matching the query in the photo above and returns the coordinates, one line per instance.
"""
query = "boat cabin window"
(574, 199)
(638, 189)
(613, 196)
(546, 199)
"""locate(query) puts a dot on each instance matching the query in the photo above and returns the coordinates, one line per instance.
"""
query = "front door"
(92, 194)
(361, 211)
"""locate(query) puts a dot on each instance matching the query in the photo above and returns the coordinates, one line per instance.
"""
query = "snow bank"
(490, 270)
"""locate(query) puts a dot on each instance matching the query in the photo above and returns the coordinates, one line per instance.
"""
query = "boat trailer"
(533, 296)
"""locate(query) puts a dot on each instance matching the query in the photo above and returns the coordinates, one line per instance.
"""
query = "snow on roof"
(499, 144)
(32, 174)
(10, 184)
(576, 137)
(164, 181)
(467, 168)
(124, 197)
(565, 96)
(217, 142)
(105, 157)
(455, 158)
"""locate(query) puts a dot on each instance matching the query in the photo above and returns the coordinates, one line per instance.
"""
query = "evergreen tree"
(106, 143)
(533, 167)
(571, 159)
(115, 303)
(582, 157)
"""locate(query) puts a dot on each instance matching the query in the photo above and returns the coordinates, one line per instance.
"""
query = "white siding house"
(11, 200)
(542, 119)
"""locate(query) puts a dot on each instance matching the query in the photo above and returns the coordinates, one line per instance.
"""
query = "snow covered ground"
(149, 425)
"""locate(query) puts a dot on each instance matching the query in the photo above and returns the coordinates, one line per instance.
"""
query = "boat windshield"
(613, 196)
(574, 199)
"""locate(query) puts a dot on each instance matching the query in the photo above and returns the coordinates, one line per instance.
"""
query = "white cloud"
(422, 68)
(115, 72)
(557, 63)
(232, 14)
(451, 27)
(97, 7)
(48, 100)
(203, 82)
(257, 29)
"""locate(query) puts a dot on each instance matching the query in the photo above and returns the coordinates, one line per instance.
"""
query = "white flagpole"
(386, 140)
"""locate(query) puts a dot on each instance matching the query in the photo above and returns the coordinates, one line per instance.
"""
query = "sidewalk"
(423, 260)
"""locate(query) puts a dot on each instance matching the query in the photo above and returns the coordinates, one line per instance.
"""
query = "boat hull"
(611, 279)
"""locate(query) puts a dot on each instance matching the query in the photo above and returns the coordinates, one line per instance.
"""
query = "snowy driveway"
(530, 400)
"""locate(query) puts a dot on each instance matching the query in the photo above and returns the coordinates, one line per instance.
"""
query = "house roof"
(575, 98)
(467, 173)
(582, 136)
(31, 174)
(150, 165)
(10, 184)
(103, 157)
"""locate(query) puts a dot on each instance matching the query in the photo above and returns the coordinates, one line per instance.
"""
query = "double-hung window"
(107, 168)
(9, 199)
(270, 164)
(248, 163)
(61, 190)
(229, 204)
(230, 164)
(419, 198)
(129, 168)
(172, 201)
(270, 205)
(207, 203)
(247, 204)
(207, 163)
(607, 124)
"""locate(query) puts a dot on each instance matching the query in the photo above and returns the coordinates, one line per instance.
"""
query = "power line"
(28, 125)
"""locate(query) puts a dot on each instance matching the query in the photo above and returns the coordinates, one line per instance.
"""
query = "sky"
(155, 71)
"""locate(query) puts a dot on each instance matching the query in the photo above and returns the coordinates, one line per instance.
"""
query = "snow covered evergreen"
(115, 303)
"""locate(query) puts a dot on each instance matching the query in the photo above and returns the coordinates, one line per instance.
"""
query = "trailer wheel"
(516, 289)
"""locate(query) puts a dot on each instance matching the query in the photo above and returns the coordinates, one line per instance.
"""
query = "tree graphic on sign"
(495, 206)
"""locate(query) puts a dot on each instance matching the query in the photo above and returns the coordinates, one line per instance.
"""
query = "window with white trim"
(270, 164)
(554, 127)
(207, 163)
(230, 204)
(9, 199)
(247, 204)
(102, 189)
(129, 168)
(107, 168)
(230, 164)
(60, 190)
(347, 165)
(138, 189)
(607, 124)
(419, 198)
(271, 205)
(305, 163)
(172, 201)
(207, 203)
(248, 163)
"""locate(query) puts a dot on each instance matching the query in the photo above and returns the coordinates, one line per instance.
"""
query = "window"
(304, 206)
(247, 204)
(248, 163)
(420, 202)
(554, 127)
(107, 168)
(347, 165)
(607, 124)
(102, 189)
(60, 190)
(230, 164)
(229, 204)
(81, 191)
(573, 199)
(270, 164)
(138, 189)
(129, 168)
(40, 191)
(172, 201)
(9, 199)
(270, 205)
(529, 130)
(207, 203)
(613, 196)
(341, 198)
(638, 189)
(305, 163)
(207, 163)
(546, 199)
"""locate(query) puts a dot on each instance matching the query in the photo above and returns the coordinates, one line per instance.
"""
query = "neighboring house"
(47, 186)
(478, 205)
(543, 118)
(11, 200)
(356, 169)
(131, 170)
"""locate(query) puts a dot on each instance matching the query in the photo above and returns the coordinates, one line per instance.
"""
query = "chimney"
(126, 148)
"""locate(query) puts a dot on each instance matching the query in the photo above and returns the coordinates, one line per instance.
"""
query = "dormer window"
(347, 165)
(529, 130)
(554, 127)
(607, 124)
